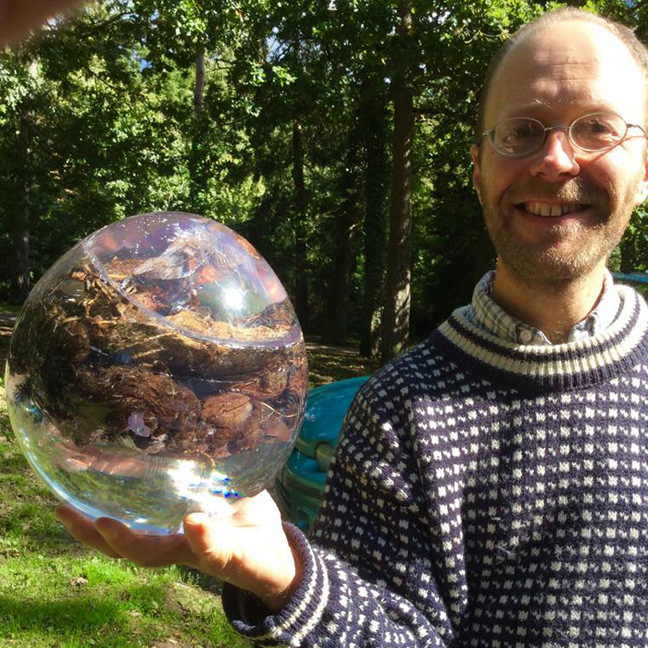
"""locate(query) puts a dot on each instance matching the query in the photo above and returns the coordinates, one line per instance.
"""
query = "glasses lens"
(518, 136)
(598, 132)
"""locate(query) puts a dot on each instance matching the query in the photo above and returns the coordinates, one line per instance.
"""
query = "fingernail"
(196, 519)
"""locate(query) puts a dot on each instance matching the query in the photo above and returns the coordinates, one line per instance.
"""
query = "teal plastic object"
(638, 280)
(300, 483)
(631, 277)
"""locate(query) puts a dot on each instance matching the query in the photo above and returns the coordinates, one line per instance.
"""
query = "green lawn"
(56, 593)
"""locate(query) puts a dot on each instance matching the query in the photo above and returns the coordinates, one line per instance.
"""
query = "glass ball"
(156, 369)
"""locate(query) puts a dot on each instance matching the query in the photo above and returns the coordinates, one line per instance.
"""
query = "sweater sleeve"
(368, 570)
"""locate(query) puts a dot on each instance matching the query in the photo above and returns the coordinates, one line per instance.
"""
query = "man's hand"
(247, 547)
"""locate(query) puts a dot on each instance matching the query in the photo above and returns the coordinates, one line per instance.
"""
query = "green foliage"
(101, 118)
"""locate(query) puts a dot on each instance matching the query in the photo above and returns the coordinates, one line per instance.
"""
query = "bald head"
(555, 209)
(571, 19)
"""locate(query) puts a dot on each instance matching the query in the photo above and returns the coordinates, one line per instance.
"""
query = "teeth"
(543, 209)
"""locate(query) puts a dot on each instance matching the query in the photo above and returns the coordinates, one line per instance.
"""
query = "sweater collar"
(605, 355)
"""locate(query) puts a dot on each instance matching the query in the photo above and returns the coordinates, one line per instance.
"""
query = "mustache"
(574, 190)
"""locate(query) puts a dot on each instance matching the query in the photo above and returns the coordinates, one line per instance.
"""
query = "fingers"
(244, 545)
(142, 549)
(211, 541)
(116, 540)
(253, 510)
(18, 17)
(82, 529)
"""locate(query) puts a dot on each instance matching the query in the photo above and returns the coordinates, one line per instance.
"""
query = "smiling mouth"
(547, 210)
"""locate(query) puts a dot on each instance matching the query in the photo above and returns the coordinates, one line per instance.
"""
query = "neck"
(553, 307)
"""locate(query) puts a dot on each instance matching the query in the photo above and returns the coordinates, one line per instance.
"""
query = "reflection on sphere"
(156, 369)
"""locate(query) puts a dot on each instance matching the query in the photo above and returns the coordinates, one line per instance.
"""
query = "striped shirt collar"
(485, 313)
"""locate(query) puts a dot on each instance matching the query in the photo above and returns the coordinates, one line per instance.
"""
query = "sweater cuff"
(250, 617)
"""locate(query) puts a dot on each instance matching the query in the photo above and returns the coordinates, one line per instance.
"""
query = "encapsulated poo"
(156, 369)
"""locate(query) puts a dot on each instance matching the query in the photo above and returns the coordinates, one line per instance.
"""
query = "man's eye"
(597, 127)
(523, 130)
(517, 132)
(601, 127)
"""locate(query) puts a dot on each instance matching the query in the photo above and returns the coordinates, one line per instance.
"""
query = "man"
(491, 485)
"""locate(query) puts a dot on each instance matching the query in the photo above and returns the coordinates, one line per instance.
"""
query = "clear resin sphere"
(156, 369)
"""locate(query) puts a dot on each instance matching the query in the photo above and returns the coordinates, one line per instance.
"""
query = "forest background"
(333, 134)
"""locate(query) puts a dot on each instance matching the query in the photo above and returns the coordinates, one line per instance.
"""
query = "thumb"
(252, 555)
(199, 531)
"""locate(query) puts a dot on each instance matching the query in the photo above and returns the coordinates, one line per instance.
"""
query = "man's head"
(623, 33)
(557, 213)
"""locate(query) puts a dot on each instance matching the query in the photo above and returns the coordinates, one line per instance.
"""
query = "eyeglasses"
(521, 136)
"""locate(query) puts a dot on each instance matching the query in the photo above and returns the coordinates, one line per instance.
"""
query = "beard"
(568, 249)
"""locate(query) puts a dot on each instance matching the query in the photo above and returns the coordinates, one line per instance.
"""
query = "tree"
(374, 121)
(299, 124)
(395, 333)
(20, 210)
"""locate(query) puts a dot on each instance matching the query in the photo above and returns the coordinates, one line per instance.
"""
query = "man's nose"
(556, 159)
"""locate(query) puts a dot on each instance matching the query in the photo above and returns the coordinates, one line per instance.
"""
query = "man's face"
(556, 75)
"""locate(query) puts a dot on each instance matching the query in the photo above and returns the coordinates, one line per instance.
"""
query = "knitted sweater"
(484, 494)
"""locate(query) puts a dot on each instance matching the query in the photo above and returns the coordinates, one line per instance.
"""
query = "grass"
(56, 593)
(73, 601)
(6, 307)
(326, 363)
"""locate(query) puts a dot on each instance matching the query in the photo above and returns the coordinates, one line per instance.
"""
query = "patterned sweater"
(483, 493)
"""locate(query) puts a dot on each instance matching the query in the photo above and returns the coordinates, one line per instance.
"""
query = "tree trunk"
(199, 88)
(376, 169)
(299, 227)
(198, 175)
(19, 283)
(335, 326)
(395, 325)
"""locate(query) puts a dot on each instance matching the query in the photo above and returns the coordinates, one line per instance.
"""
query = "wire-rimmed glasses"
(594, 132)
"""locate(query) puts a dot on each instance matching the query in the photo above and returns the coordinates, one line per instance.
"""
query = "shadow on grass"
(327, 363)
(64, 616)
(36, 529)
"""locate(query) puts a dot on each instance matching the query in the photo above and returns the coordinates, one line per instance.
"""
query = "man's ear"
(474, 153)
(642, 188)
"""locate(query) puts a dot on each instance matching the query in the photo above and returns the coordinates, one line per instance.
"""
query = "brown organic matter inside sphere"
(106, 362)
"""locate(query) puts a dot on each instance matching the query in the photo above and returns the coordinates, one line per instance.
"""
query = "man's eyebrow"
(544, 103)
(540, 103)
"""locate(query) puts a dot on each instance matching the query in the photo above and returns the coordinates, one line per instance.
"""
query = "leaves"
(109, 99)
